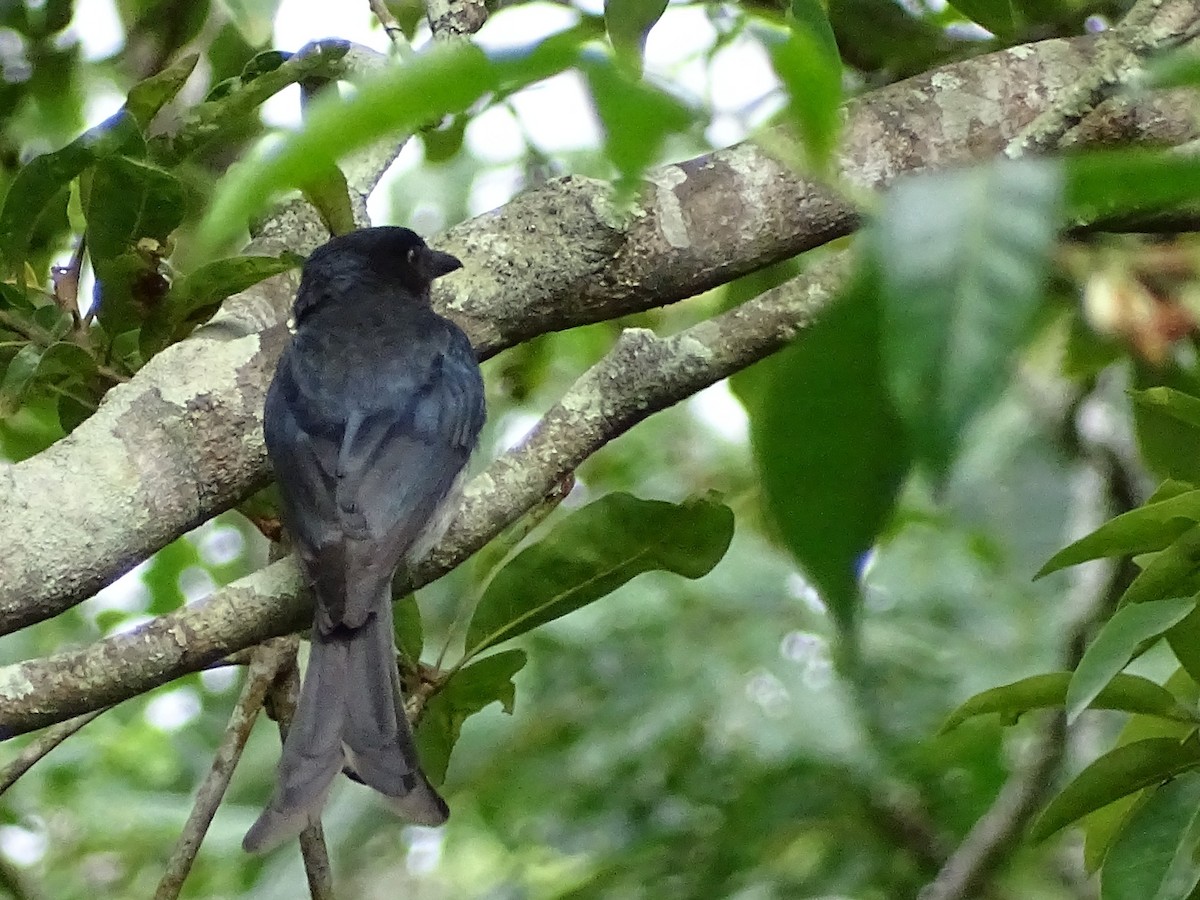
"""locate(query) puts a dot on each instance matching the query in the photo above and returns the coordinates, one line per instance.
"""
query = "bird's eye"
(412, 255)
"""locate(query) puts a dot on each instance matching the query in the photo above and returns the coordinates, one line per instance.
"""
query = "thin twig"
(392, 29)
(36, 749)
(281, 706)
(66, 284)
(265, 666)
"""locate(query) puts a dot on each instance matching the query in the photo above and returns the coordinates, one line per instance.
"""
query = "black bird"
(372, 415)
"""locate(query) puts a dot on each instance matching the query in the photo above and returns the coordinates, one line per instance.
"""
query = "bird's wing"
(366, 486)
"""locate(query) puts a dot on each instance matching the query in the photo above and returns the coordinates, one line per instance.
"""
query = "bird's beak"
(435, 263)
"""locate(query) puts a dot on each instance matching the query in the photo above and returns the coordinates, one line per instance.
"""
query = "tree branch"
(641, 375)
(181, 442)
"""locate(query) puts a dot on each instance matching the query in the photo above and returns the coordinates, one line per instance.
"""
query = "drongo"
(371, 417)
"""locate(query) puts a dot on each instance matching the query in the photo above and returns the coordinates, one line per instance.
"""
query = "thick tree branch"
(181, 442)
(641, 375)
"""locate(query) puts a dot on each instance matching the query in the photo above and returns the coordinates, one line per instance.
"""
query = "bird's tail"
(350, 715)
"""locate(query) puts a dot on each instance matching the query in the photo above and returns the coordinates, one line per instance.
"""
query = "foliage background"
(709, 738)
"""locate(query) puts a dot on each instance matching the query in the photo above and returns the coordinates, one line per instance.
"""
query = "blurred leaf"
(874, 35)
(809, 65)
(467, 692)
(329, 193)
(1113, 647)
(1180, 68)
(1151, 527)
(48, 176)
(997, 16)
(592, 552)
(444, 142)
(1128, 183)
(1155, 855)
(829, 447)
(636, 119)
(254, 18)
(445, 80)
(1114, 775)
(962, 256)
(194, 297)
(1130, 693)
(149, 96)
(628, 23)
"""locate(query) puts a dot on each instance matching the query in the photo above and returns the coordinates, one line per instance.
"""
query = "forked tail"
(350, 715)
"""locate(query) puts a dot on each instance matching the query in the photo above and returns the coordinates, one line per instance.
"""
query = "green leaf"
(1168, 428)
(330, 195)
(1129, 693)
(1116, 774)
(46, 177)
(591, 553)
(130, 201)
(1162, 576)
(467, 692)
(1102, 826)
(829, 447)
(1184, 640)
(33, 363)
(997, 16)
(1150, 527)
(1114, 646)
(254, 19)
(17, 378)
(636, 119)
(628, 23)
(963, 255)
(408, 630)
(149, 96)
(809, 65)
(193, 298)
(447, 79)
(1155, 855)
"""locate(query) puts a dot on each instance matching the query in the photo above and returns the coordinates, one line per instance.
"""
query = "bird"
(370, 420)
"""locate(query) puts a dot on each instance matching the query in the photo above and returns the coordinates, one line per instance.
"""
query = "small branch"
(281, 706)
(265, 665)
(1149, 27)
(66, 284)
(392, 29)
(454, 20)
(38, 748)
